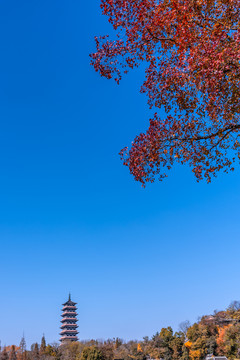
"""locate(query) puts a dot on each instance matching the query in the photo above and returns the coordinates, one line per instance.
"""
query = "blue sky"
(71, 216)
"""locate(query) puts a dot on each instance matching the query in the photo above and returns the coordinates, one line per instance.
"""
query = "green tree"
(166, 337)
(51, 351)
(232, 341)
(166, 334)
(42, 346)
(176, 345)
(211, 345)
(92, 353)
(193, 332)
(185, 353)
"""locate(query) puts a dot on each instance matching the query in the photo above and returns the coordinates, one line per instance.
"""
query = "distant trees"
(107, 350)
(4, 355)
(184, 326)
(92, 353)
(165, 345)
(217, 334)
(35, 352)
(13, 354)
(70, 351)
(22, 346)
(234, 306)
(42, 346)
(52, 352)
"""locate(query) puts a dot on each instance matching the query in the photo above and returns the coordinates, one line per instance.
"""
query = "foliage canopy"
(192, 56)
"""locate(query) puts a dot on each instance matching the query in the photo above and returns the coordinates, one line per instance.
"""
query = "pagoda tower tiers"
(69, 321)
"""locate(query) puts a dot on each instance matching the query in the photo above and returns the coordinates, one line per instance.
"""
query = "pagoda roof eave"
(69, 325)
(69, 302)
(65, 339)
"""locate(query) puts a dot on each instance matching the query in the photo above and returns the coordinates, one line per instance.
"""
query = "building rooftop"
(212, 357)
(69, 302)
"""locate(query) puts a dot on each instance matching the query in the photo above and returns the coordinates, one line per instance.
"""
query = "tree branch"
(160, 39)
(206, 137)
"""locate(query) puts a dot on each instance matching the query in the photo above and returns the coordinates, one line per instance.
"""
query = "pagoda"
(69, 321)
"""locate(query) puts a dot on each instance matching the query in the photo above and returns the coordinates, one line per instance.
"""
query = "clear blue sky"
(71, 216)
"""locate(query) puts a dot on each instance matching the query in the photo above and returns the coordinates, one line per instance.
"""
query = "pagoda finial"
(69, 298)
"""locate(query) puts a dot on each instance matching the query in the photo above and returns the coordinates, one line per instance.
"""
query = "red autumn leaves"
(192, 56)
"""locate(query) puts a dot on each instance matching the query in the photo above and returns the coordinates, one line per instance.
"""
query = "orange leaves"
(221, 334)
(188, 344)
(221, 338)
(195, 354)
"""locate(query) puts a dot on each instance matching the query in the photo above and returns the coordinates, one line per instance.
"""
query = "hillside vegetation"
(217, 334)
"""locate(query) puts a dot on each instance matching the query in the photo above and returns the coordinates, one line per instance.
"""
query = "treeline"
(218, 334)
